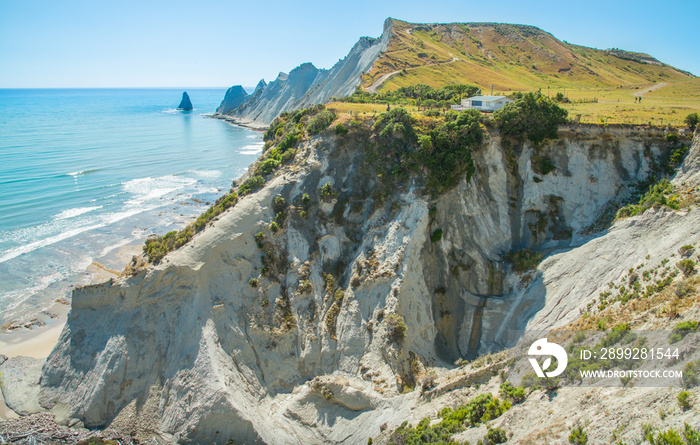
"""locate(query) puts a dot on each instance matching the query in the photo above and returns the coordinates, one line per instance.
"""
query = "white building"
(482, 103)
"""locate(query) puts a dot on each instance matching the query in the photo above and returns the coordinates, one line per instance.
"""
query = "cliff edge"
(302, 314)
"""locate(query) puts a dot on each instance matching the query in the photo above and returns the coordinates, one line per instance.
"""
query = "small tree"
(692, 120)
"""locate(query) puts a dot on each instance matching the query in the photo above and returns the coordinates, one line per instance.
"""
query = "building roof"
(487, 98)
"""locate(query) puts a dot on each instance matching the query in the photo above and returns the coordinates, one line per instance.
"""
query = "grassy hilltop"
(599, 84)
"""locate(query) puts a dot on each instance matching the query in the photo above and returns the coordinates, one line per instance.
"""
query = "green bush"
(691, 374)
(278, 203)
(446, 150)
(534, 115)
(515, 394)
(253, 282)
(684, 400)
(267, 166)
(578, 436)
(692, 120)
(327, 192)
(680, 330)
(396, 327)
(496, 435)
(482, 408)
(687, 266)
(251, 185)
(341, 130)
(436, 236)
(542, 165)
(524, 259)
(320, 122)
(259, 238)
(658, 194)
(689, 436)
(274, 227)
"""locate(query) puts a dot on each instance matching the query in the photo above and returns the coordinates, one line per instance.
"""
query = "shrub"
(578, 436)
(396, 327)
(684, 400)
(327, 192)
(542, 165)
(452, 422)
(253, 282)
(278, 203)
(288, 142)
(690, 436)
(331, 318)
(267, 166)
(259, 238)
(533, 115)
(274, 228)
(341, 130)
(524, 260)
(339, 294)
(686, 250)
(446, 150)
(320, 122)
(251, 185)
(305, 200)
(496, 435)
(680, 330)
(691, 374)
(692, 120)
(687, 266)
(658, 194)
(515, 394)
(436, 236)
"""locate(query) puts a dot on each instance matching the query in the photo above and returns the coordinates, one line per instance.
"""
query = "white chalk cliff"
(193, 351)
(307, 85)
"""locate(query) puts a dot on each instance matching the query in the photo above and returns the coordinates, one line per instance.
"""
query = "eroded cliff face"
(289, 336)
(307, 85)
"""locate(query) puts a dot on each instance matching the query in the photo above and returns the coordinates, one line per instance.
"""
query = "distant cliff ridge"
(305, 85)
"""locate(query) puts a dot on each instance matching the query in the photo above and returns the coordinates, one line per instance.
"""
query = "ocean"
(86, 172)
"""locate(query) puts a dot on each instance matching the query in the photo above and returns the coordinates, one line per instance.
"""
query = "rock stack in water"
(185, 104)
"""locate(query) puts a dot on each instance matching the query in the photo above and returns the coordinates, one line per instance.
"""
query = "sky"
(216, 43)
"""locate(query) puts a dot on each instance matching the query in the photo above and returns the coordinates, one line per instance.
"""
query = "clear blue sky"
(216, 43)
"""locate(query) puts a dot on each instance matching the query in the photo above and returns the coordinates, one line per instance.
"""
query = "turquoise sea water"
(84, 172)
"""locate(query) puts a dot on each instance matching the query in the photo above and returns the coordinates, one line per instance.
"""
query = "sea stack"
(185, 104)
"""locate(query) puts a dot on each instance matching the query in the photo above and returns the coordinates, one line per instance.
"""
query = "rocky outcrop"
(307, 85)
(185, 103)
(195, 348)
(234, 97)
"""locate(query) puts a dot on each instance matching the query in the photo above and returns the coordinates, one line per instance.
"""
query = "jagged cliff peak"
(234, 97)
(308, 85)
(260, 86)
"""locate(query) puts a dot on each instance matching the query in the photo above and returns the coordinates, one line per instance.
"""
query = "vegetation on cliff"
(420, 95)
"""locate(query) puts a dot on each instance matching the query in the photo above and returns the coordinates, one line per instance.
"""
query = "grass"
(520, 58)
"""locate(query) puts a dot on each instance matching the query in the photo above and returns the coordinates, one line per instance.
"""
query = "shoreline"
(233, 121)
(39, 341)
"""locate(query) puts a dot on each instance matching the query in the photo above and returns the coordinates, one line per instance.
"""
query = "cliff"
(289, 335)
(307, 85)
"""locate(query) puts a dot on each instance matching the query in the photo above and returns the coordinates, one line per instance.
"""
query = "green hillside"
(602, 85)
